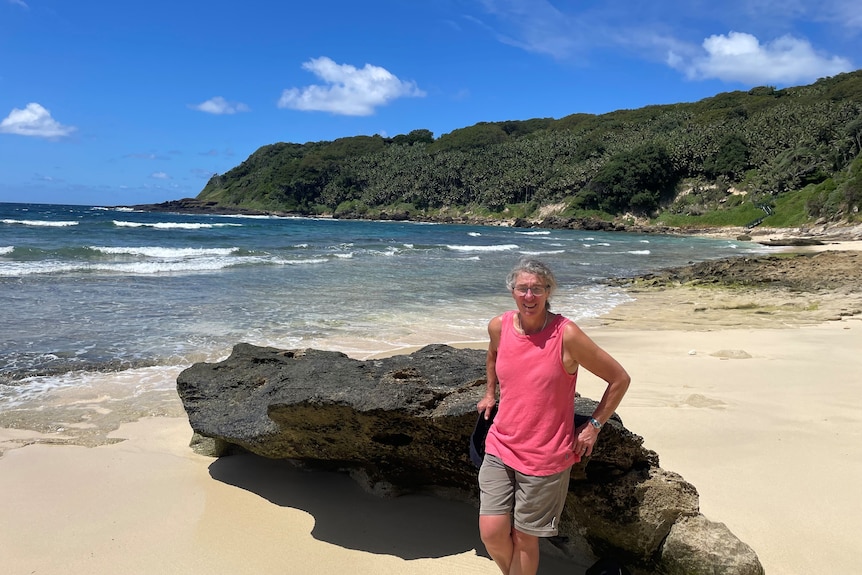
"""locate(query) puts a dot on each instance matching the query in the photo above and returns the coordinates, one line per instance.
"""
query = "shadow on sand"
(409, 526)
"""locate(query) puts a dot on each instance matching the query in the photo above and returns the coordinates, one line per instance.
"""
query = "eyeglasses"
(537, 291)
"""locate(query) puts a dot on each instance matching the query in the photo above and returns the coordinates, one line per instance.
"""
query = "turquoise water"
(86, 290)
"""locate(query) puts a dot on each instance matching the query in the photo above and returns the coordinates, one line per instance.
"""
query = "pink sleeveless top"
(533, 430)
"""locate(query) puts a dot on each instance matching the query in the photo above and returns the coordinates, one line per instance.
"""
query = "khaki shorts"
(536, 503)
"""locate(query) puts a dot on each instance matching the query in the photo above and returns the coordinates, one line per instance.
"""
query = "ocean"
(123, 299)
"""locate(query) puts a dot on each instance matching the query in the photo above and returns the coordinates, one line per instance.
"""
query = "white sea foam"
(581, 303)
(107, 386)
(302, 262)
(20, 269)
(172, 225)
(205, 263)
(639, 252)
(499, 248)
(543, 253)
(474, 234)
(536, 233)
(6, 250)
(167, 253)
(39, 223)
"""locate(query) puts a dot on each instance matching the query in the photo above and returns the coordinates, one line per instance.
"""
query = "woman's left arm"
(579, 349)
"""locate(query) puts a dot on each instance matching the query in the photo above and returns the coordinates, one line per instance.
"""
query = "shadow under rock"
(409, 526)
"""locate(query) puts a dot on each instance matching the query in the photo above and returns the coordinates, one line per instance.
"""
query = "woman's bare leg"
(514, 552)
(496, 533)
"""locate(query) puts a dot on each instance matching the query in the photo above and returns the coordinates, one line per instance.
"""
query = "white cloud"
(740, 57)
(19, 3)
(160, 176)
(34, 120)
(650, 31)
(219, 105)
(348, 90)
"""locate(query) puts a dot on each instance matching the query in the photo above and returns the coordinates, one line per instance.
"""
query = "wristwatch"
(595, 423)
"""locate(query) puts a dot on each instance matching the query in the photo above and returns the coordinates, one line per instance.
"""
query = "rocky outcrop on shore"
(836, 271)
(403, 424)
(195, 206)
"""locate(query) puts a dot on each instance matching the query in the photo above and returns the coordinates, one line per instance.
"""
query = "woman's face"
(524, 291)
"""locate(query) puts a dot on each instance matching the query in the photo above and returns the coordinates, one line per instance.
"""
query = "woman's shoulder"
(569, 327)
(502, 316)
(497, 320)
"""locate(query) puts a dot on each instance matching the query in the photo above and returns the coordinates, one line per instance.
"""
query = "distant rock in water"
(403, 424)
(195, 206)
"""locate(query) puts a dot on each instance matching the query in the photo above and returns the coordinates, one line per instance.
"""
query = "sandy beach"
(752, 395)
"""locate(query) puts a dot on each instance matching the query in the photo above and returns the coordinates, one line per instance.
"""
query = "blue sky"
(110, 102)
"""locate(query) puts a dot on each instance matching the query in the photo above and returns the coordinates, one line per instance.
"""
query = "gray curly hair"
(538, 268)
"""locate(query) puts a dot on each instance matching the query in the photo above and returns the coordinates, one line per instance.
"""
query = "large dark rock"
(403, 423)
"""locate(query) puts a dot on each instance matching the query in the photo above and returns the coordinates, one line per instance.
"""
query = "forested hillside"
(793, 153)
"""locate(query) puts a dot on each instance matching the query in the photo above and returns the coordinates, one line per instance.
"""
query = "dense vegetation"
(793, 153)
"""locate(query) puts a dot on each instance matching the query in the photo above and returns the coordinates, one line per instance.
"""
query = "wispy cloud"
(160, 176)
(348, 90)
(19, 3)
(202, 173)
(772, 48)
(841, 14)
(534, 25)
(845, 13)
(740, 57)
(34, 120)
(220, 106)
(46, 179)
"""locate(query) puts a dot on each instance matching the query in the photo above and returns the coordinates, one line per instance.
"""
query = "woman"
(534, 355)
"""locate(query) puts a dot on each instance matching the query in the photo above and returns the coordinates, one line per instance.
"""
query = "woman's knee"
(524, 541)
(495, 528)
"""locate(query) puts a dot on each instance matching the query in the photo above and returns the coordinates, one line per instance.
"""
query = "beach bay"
(752, 395)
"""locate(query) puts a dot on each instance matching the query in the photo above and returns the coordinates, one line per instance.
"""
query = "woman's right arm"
(490, 399)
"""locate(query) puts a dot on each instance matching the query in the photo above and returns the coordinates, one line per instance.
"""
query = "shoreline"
(825, 231)
(743, 391)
